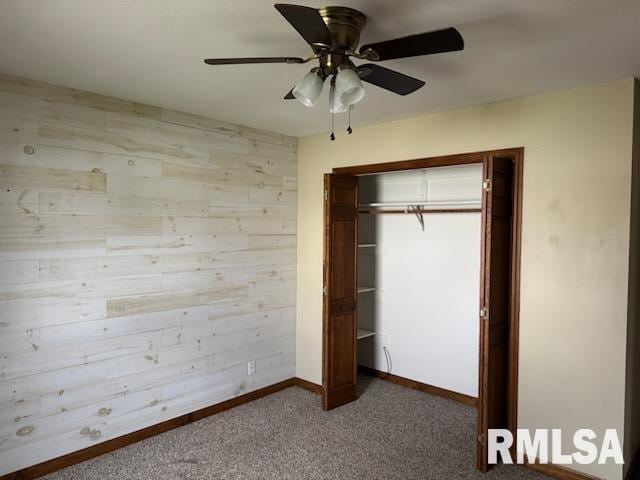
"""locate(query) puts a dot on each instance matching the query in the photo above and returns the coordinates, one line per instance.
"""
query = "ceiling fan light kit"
(333, 33)
(349, 89)
(309, 88)
(335, 106)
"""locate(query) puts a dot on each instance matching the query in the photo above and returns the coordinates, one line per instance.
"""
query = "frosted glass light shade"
(335, 106)
(308, 89)
(349, 89)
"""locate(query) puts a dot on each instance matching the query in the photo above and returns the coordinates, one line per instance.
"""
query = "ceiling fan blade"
(389, 79)
(308, 22)
(289, 96)
(239, 61)
(439, 41)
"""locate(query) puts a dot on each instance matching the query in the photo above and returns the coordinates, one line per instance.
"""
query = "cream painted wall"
(575, 240)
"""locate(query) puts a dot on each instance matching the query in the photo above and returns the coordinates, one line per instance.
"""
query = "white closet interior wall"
(423, 296)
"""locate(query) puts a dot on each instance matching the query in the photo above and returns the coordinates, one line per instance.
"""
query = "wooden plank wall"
(146, 256)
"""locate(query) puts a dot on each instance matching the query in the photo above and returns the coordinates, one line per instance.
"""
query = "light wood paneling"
(170, 244)
(17, 130)
(18, 196)
(62, 95)
(172, 188)
(79, 160)
(264, 242)
(272, 196)
(146, 255)
(201, 123)
(238, 176)
(17, 272)
(48, 179)
(84, 288)
(130, 305)
(120, 143)
(38, 110)
(72, 225)
(32, 247)
(24, 315)
(95, 267)
(107, 204)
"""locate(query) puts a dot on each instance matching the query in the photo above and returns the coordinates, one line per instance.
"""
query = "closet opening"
(421, 281)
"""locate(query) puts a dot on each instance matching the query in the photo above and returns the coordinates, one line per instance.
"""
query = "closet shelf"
(421, 211)
(362, 333)
(433, 204)
(420, 208)
(363, 289)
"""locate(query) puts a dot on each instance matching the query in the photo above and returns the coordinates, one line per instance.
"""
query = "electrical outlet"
(382, 339)
(251, 367)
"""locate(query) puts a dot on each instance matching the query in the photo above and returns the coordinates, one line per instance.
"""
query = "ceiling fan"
(333, 34)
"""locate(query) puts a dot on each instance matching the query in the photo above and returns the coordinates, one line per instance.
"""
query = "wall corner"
(632, 375)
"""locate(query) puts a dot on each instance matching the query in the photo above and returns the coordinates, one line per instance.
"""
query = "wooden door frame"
(514, 301)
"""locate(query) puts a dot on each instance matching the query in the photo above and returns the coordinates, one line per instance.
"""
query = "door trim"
(517, 154)
(443, 161)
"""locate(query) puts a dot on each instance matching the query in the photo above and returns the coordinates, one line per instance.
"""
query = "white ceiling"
(151, 51)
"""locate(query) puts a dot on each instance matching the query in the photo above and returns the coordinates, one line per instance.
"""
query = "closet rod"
(379, 211)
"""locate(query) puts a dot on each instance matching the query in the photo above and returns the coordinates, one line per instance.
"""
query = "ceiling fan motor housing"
(345, 25)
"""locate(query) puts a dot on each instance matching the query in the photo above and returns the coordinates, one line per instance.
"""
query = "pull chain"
(332, 137)
(349, 130)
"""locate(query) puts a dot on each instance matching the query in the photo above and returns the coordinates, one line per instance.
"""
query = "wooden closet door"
(494, 300)
(339, 369)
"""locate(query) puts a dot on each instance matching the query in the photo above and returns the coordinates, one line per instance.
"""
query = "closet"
(418, 263)
(421, 280)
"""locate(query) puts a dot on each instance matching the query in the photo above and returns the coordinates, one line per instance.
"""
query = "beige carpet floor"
(391, 432)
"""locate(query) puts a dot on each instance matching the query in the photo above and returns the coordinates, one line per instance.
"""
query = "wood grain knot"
(24, 431)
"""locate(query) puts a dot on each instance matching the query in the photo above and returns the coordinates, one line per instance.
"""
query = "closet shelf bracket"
(418, 212)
